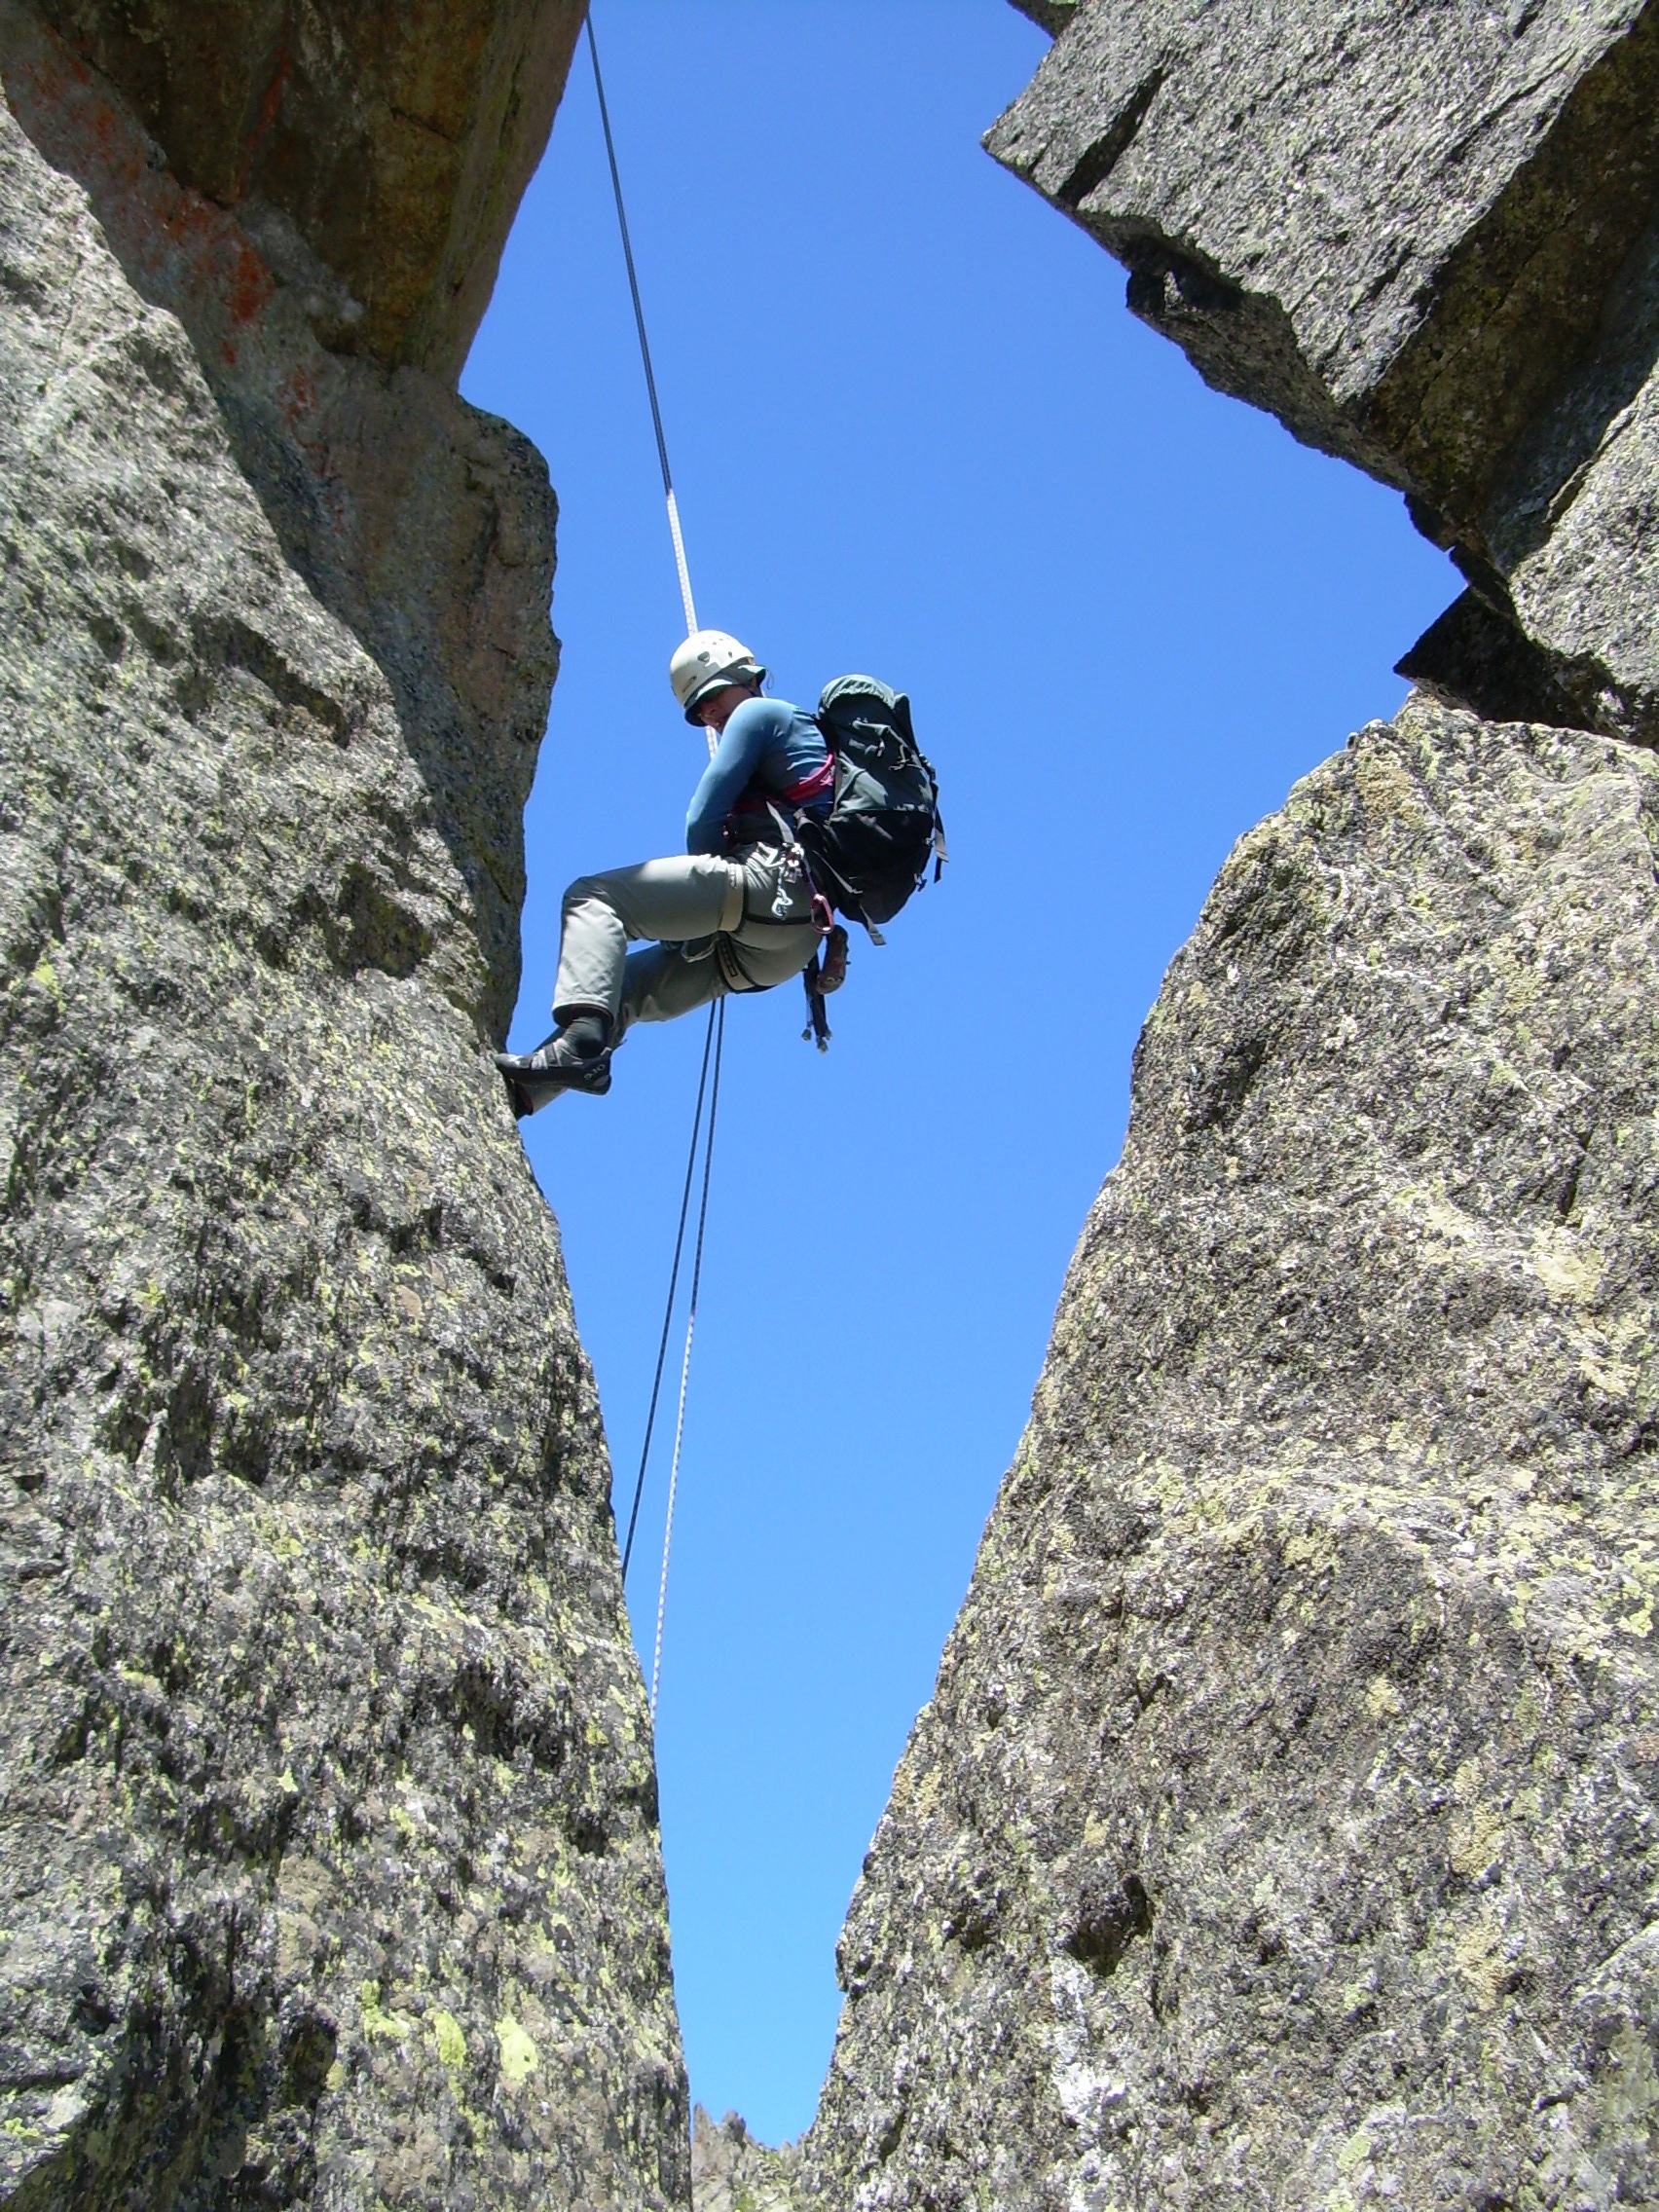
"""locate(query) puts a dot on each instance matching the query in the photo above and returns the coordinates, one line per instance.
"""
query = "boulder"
(731, 2172)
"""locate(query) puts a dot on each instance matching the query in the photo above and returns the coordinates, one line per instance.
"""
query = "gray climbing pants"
(720, 925)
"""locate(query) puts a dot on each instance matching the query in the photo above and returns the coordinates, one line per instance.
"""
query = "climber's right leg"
(692, 895)
(662, 981)
(575, 1057)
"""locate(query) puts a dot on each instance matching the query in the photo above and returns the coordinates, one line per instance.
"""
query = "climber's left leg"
(692, 895)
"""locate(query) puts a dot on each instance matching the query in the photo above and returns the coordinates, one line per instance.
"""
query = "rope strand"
(673, 1286)
(681, 568)
(717, 1022)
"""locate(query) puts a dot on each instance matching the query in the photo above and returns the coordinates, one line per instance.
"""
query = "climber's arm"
(743, 746)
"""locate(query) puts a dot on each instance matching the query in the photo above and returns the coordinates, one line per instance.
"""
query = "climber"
(736, 913)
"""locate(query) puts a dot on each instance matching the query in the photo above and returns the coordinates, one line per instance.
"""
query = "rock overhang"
(1425, 240)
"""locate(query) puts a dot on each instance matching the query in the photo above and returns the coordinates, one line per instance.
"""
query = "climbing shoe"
(575, 1057)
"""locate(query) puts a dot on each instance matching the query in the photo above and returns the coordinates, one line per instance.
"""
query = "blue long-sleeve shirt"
(768, 747)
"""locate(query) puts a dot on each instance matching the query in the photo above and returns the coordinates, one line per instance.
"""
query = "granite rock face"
(1282, 1829)
(329, 1871)
(1426, 239)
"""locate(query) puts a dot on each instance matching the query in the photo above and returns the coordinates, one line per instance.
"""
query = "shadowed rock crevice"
(1095, 163)
(1108, 1919)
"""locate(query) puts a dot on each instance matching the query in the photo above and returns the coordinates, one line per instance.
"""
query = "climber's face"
(719, 708)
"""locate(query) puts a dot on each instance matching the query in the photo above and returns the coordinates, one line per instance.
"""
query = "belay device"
(871, 850)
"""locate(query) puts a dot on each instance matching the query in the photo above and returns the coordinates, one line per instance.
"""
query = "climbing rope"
(717, 1024)
(715, 1038)
(683, 573)
(668, 1309)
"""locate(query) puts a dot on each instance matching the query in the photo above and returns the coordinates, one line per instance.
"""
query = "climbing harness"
(714, 1040)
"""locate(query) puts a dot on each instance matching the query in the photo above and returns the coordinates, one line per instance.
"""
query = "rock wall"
(1281, 1831)
(1427, 238)
(328, 1859)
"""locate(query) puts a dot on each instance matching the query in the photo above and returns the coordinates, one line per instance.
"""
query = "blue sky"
(914, 431)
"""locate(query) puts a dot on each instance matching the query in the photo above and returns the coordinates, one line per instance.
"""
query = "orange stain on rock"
(250, 287)
(296, 394)
(218, 257)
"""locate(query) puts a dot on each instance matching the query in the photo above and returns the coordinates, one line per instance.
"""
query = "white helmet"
(705, 663)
